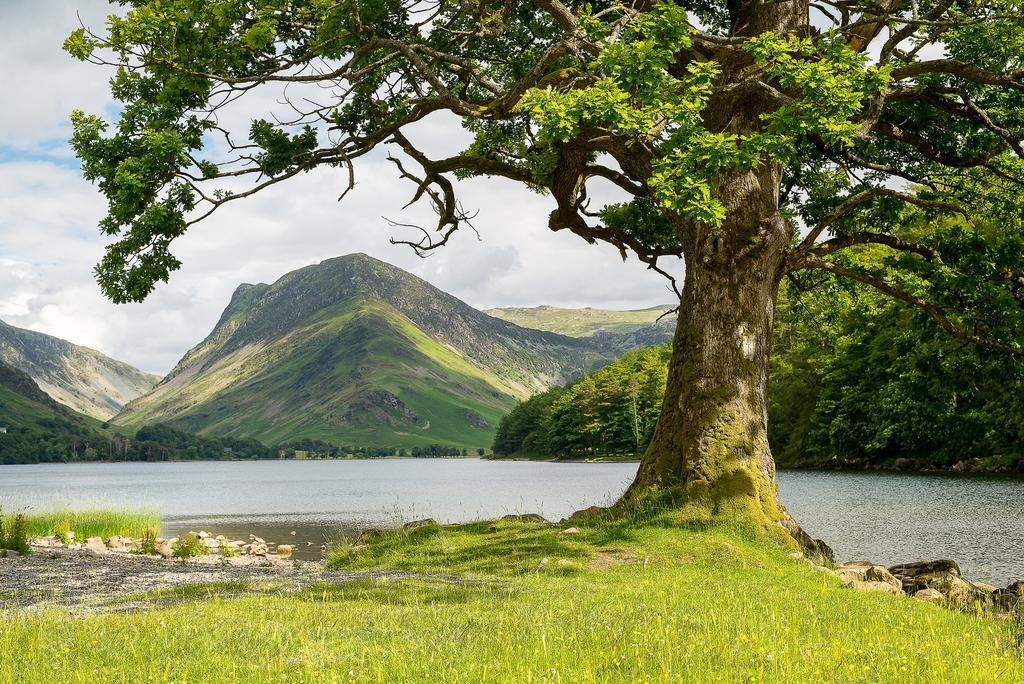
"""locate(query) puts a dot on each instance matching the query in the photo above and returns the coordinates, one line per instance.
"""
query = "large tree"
(752, 138)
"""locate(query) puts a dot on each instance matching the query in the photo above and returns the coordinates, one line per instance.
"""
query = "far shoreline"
(884, 468)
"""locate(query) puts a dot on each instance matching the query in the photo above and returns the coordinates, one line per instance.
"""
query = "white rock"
(285, 551)
(570, 530)
(118, 543)
(95, 544)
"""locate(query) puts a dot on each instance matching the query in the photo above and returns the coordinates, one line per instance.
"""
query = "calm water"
(888, 518)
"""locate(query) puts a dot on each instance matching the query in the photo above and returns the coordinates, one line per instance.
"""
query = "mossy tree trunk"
(712, 437)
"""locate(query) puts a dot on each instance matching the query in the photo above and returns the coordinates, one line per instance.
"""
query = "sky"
(49, 242)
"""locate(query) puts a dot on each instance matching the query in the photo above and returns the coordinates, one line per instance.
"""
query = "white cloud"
(41, 83)
(49, 242)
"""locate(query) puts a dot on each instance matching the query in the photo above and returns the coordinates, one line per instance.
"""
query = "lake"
(886, 517)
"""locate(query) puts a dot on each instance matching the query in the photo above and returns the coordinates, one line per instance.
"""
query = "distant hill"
(31, 421)
(36, 429)
(584, 322)
(356, 351)
(78, 377)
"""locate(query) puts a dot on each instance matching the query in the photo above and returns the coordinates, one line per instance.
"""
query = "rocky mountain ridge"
(83, 379)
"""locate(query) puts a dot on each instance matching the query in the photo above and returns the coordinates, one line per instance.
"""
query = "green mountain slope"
(355, 351)
(79, 377)
(36, 429)
(31, 421)
(581, 322)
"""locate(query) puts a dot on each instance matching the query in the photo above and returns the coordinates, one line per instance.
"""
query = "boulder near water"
(866, 571)
(525, 518)
(419, 524)
(921, 574)
(1009, 598)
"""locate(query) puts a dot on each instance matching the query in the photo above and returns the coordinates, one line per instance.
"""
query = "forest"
(857, 380)
(67, 441)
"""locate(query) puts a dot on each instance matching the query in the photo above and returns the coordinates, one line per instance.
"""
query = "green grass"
(665, 599)
(96, 523)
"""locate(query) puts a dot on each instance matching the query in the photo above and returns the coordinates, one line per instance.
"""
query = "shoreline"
(895, 467)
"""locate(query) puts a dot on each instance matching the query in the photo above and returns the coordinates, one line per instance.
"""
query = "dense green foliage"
(162, 442)
(320, 449)
(857, 379)
(609, 411)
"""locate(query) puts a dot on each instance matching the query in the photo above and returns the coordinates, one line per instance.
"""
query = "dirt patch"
(611, 557)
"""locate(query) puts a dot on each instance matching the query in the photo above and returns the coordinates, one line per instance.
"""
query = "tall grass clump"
(101, 522)
(1017, 625)
(147, 543)
(14, 533)
(85, 524)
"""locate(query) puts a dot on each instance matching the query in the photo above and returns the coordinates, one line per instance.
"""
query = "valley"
(81, 378)
(358, 352)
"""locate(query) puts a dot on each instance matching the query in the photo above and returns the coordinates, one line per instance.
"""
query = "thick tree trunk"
(712, 437)
(711, 440)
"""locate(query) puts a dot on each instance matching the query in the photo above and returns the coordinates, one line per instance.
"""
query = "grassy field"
(85, 524)
(665, 599)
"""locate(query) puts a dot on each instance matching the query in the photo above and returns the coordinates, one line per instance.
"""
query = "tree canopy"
(875, 112)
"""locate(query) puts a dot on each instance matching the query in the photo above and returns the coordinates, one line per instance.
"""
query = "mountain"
(356, 351)
(31, 421)
(585, 322)
(36, 429)
(75, 376)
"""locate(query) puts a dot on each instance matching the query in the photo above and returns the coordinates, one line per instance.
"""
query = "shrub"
(188, 546)
(14, 533)
(62, 531)
(147, 543)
